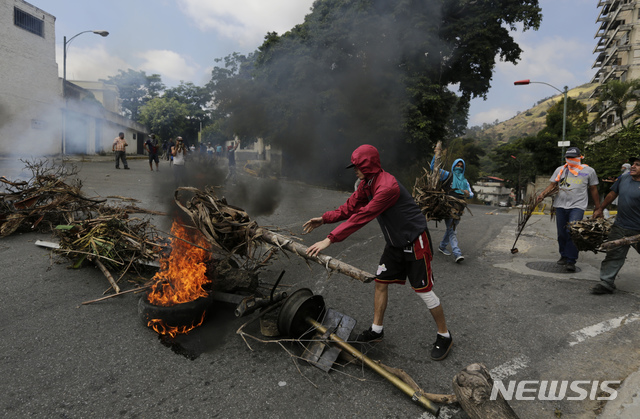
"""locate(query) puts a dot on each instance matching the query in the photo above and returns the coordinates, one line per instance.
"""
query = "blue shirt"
(628, 191)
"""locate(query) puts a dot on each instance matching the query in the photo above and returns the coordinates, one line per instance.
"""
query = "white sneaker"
(459, 259)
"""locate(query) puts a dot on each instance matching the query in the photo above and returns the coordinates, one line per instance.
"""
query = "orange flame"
(183, 274)
(161, 328)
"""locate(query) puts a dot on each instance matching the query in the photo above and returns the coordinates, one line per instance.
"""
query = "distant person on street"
(456, 185)
(170, 152)
(231, 156)
(151, 145)
(120, 148)
(407, 252)
(575, 181)
(627, 223)
(179, 153)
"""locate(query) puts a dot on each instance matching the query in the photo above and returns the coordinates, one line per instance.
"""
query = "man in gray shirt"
(575, 181)
(627, 223)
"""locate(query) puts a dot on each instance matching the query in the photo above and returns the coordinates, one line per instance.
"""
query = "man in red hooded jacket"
(407, 252)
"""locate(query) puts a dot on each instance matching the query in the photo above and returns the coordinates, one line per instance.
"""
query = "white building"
(36, 117)
(618, 52)
(491, 190)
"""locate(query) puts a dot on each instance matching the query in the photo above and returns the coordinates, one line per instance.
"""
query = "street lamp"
(518, 199)
(564, 113)
(66, 46)
(64, 85)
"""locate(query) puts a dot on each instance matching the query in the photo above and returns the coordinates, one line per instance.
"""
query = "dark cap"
(350, 166)
(633, 159)
(573, 152)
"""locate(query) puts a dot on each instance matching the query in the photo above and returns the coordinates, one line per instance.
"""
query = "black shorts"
(414, 262)
(154, 157)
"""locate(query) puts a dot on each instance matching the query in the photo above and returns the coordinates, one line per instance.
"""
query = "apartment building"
(617, 49)
(37, 116)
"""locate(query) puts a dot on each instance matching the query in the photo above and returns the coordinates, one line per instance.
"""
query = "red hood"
(367, 159)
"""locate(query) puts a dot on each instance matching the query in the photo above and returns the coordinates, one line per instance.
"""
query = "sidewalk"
(538, 243)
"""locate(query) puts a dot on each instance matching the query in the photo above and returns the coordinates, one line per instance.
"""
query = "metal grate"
(28, 22)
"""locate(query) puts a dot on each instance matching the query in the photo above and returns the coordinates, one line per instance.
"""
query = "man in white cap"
(575, 181)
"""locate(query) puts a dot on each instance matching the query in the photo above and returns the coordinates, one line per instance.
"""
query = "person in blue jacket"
(459, 187)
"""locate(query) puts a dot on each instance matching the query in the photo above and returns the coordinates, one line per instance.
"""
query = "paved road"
(63, 359)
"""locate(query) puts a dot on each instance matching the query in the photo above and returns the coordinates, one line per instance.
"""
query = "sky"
(181, 39)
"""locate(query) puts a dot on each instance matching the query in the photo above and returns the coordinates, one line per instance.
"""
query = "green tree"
(544, 146)
(167, 118)
(197, 101)
(616, 95)
(371, 71)
(608, 155)
(136, 89)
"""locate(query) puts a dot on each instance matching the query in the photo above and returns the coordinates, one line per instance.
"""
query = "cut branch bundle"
(432, 198)
(589, 234)
(115, 241)
(230, 231)
(51, 197)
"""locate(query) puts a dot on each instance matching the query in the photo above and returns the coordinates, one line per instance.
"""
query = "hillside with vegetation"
(529, 122)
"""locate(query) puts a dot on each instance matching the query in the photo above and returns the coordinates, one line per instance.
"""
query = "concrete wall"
(30, 90)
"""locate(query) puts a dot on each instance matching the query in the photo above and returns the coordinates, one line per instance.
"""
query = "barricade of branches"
(232, 234)
(589, 234)
(52, 196)
(47, 199)
(115, 240)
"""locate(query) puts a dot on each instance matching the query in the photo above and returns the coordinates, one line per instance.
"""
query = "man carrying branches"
(575, 181)
(408, 251)
(627, 190)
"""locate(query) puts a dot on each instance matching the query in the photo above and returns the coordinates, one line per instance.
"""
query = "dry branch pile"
(589, 234)
(226, 228)
(51, 197)
(431, 197)
(116, 240)
(233, 235)
(47, 198)
(434, 202)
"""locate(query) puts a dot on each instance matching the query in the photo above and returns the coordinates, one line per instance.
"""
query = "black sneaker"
(571, 267)
(126, 168)
(562, 261)
(600, 289)
(441, 347)
(370, 336)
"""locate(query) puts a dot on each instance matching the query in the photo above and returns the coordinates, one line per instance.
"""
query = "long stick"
(106, 273)
(620, 242)
(327, 261)
(120, 293)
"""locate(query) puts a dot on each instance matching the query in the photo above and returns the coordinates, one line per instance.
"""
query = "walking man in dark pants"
(627, 190)
(120, 148)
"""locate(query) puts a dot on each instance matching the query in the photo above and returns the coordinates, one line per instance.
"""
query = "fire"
(183, 274)
(162, 328)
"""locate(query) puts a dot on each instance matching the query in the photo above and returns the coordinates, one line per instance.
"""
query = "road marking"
(510, 368)
(581, 335)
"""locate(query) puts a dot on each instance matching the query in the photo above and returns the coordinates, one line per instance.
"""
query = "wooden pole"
(620, 242)
(326, 261)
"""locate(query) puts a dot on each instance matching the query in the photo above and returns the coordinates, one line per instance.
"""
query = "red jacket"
(379, 196)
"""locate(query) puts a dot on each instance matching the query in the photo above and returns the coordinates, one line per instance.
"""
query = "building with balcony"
(617, 52)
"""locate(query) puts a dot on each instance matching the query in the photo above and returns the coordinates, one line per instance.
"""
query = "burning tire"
(185, 315)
